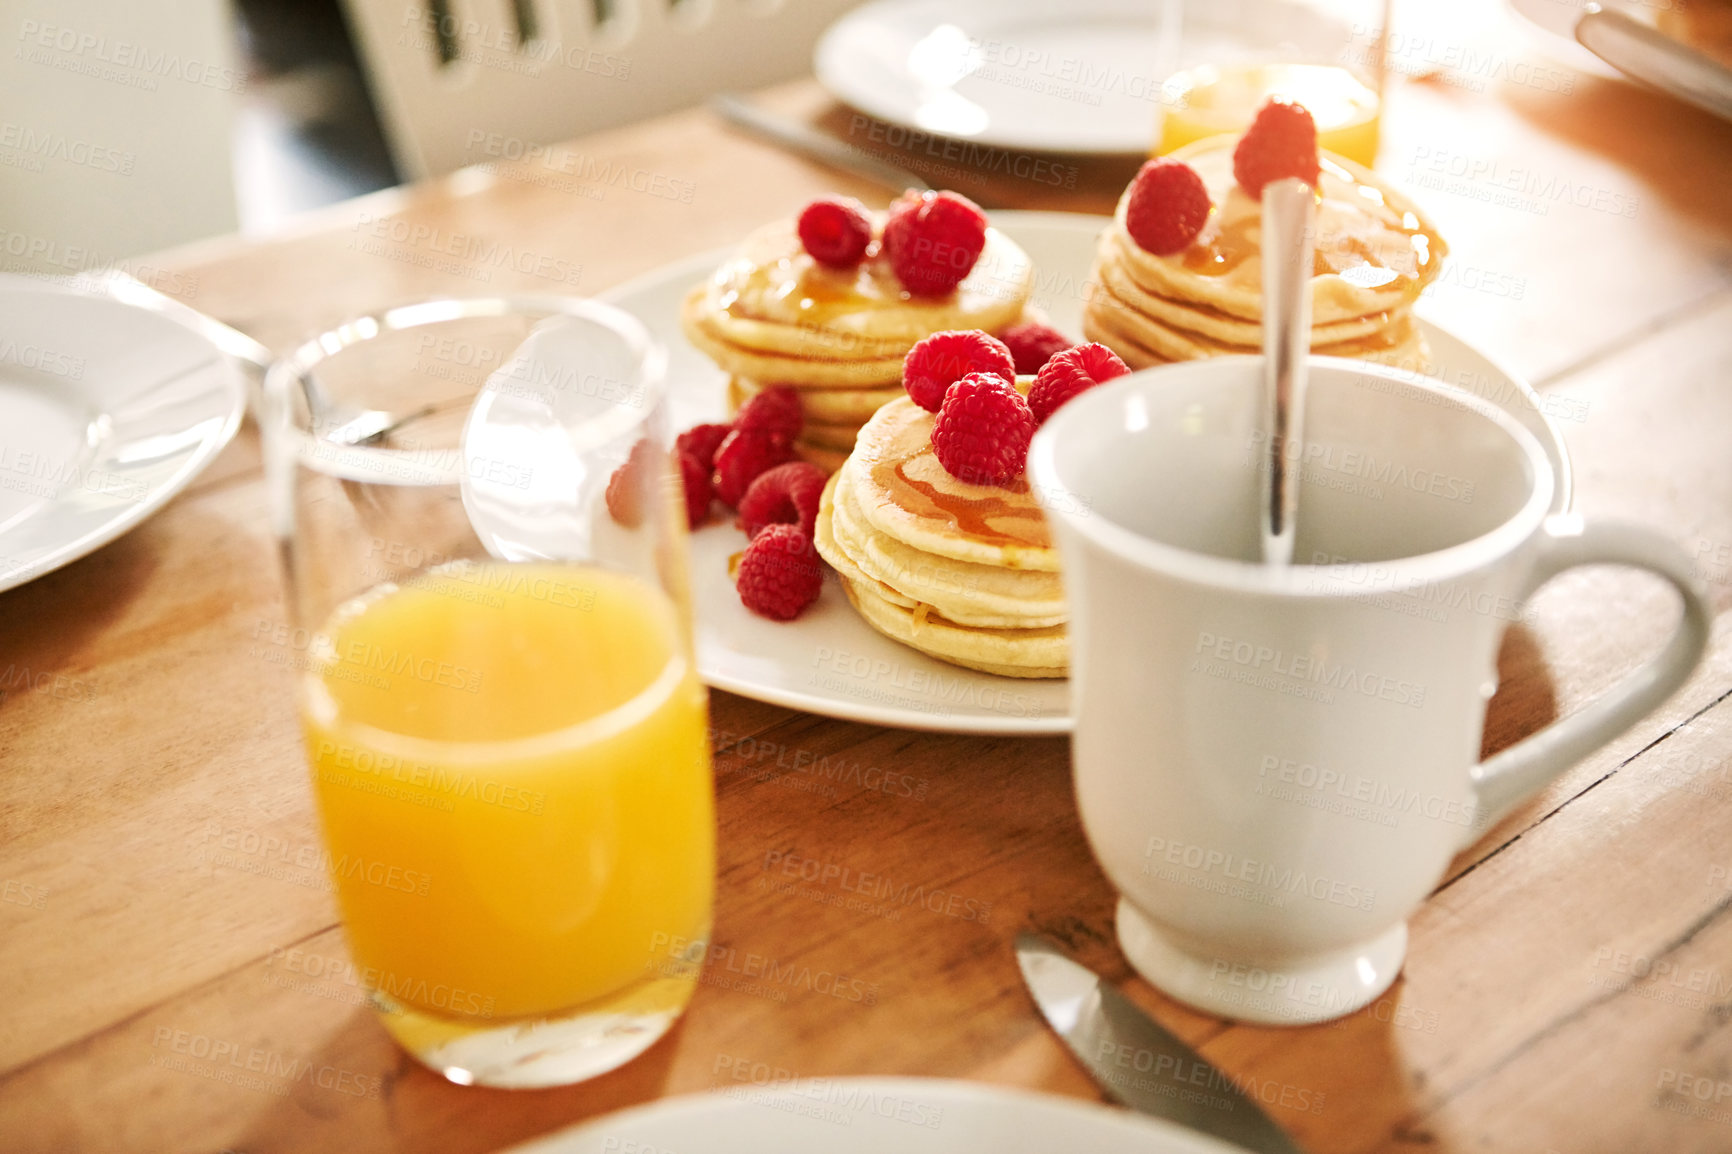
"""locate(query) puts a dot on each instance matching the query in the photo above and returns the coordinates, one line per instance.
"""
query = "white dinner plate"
(1079, 77)
(110, 404)
(873, 1116)
(829, 661)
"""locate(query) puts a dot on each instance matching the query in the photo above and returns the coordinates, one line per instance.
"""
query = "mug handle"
(1515, 774)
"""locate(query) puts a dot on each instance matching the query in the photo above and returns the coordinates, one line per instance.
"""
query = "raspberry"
(702, 441)
(779, 573)
(1032, 344)
(785, 495)
(743, 455)
(773, 411)
(625, 487)
(836, 231)
(981, 435)
(942, 359)
(1167, 208)
(1281, 142)
(1068, 374)
(695, 482)
(933, 240)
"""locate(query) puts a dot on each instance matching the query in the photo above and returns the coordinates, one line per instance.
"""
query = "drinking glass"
(498, 696)
(1326, 54)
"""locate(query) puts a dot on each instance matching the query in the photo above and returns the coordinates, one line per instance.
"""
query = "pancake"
(772, 316)
(964, 592)
(829, 370)
(1205, 322)
(1396, 334)
(774, 298)
(828, 460)
(1016, 651)
(965, 573)
(1105, 327)
(829, 548)
(1375, 254)
(1005, 652)
(849, 407)
(903, 492)
(839, 437)
(1375, 250)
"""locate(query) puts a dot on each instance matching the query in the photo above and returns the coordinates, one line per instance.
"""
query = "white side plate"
(1083, 77)
(873, 1116)
(109, 406)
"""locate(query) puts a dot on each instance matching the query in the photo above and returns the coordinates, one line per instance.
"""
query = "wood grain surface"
(1568, 986)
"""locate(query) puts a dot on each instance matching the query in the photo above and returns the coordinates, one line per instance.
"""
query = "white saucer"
(109, 406)
(773, 1111)
(1082, 77)
(831, 662)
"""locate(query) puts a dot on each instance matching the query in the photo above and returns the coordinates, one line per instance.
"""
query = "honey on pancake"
(816, 294)
(774, 280)
(989, 518)
(1219, 251)
(1229, 240)
(772, 313)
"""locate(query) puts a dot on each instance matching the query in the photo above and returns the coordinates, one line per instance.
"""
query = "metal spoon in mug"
(1288, 223)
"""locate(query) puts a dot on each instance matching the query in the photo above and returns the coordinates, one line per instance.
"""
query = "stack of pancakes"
(966, 573)
(1375, 253)
(773, 316)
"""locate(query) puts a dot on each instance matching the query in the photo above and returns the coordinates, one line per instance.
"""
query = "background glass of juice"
(1329, 55)
(506, 733)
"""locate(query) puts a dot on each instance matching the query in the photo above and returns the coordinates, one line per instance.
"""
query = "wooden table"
(1568, 986)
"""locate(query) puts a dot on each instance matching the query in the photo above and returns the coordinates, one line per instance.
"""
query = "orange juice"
(1212, 101)
(512, 768)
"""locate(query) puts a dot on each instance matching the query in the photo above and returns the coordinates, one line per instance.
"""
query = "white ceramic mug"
(1275, 765)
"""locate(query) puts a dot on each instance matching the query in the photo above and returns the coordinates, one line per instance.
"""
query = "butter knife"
(1651, 56)
(1638, 50)
(1136, 1061)
(812, 144)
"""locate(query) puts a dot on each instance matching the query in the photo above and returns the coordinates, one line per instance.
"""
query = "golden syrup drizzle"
(1219, 251)
(1405, 251)
(812, 295)
(990, 519)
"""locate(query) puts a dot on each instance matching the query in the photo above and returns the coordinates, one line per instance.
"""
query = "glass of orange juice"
(506, 733)
(1328, 56)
